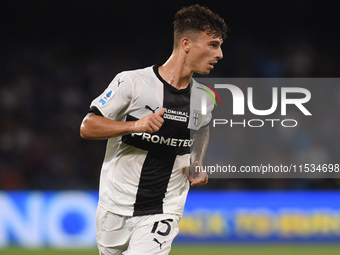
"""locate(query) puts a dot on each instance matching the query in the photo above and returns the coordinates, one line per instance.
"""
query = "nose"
(219, 53)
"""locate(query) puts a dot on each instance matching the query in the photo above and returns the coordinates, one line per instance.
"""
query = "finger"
(199, 181)
(153, 127)
(160, 112)
(195, 182)
(158, 120)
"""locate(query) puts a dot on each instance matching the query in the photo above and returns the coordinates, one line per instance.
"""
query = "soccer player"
(148, 116)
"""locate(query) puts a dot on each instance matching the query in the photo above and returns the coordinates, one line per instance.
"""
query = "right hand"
(150, 123)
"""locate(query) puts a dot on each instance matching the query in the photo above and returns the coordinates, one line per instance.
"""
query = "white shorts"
(142, 235)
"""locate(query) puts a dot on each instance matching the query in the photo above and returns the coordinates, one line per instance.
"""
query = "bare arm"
(197, 155)
(200, 145)
(98, 127)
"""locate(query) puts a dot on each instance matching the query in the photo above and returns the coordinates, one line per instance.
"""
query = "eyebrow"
(216, 41)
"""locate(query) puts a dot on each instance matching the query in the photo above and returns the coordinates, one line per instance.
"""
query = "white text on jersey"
(161, 140)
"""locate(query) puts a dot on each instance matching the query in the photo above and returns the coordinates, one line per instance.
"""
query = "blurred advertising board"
(55, 219)
(261, 217)
(67, 219)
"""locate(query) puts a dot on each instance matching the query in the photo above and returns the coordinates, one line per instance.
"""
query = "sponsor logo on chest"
(175, 115)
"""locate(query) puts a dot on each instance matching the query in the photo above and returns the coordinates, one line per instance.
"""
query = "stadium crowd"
(46, 88)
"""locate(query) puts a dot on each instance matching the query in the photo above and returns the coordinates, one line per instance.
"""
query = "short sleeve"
(116, 99)
(201, 106)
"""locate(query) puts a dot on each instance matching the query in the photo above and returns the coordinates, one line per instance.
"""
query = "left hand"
(199, 177)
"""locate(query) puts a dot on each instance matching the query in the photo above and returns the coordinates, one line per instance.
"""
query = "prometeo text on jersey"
(175, 142)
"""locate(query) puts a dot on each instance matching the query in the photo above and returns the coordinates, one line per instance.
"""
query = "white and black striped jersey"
(142, 173)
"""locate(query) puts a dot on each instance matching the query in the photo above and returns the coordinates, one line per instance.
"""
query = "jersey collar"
(167, 85)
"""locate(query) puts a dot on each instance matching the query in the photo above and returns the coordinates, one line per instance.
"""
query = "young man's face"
(204, 53)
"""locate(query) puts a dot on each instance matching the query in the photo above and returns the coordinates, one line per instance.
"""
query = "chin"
(206, 72)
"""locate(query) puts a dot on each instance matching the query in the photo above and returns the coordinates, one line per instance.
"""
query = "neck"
(175, 71)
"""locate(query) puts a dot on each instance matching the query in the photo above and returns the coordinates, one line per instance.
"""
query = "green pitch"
(202, 250)
(257, 250)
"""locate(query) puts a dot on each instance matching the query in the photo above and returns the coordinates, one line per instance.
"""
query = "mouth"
(212, 64)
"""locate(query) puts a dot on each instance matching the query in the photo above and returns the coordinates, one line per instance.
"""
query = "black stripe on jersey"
(153, 183)
(159, 162)
(95, 110)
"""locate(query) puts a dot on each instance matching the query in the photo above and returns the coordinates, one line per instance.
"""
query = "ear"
(186, 44)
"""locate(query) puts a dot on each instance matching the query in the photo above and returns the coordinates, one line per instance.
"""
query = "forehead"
(204, 37)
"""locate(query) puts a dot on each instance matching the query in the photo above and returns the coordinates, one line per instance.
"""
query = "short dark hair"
(198, 18)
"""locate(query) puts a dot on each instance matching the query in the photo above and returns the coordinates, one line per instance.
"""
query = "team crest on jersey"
(106, 97)
(197, 118)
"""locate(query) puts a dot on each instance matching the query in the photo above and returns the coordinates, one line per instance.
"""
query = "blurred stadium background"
(56, 56)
